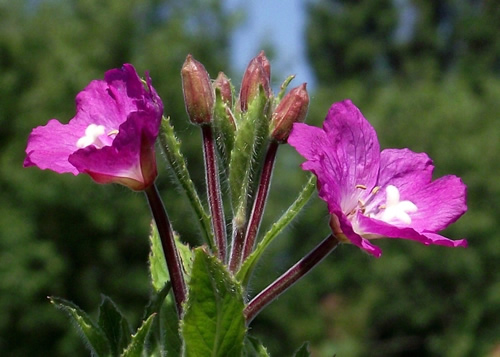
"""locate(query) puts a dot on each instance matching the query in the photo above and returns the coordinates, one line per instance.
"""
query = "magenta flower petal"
(440, 203)
(347, 230)
(111, 137)
(353, 161)
(383, 229)
(353, 148)
(49, 146)
(405, 169)
(372, 194)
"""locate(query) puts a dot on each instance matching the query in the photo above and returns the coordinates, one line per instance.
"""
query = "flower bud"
(257, 74)
(222, 83)
(198, 91)
(292, 109)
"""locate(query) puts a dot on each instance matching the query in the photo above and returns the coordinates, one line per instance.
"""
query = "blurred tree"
(349, 38)
(66, 236)
(412, 39)
(426, 74)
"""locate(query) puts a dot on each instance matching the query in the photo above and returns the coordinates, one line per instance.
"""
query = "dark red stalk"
(170, 252)
(260, 200)
(214, 192)
(296, 272)
(237, 247)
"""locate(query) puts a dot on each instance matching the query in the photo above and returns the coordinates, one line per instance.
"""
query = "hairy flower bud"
(198, 91)
(222, 83)
(257, 74)
(292, 109)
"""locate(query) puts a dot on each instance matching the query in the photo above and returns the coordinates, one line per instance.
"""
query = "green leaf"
(114, 325)
(171, 147)
(166, 327)
(157, 264)
(213, 324)
(138, 343)
(249, 264)
(154, 306)
(303, 351)
(169, 328)
(156, 301)
(249, 146)
(94, 337)
(254, 348)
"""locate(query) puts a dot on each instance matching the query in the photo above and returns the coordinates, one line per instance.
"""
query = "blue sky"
(280, 23)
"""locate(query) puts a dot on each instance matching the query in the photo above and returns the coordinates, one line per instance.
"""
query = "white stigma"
(395, 209)
(91, 136)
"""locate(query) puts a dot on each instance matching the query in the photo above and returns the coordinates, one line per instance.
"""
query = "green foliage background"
(435, 90)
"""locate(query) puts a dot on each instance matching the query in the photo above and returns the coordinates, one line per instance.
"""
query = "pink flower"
(372, 194)
(112, 136)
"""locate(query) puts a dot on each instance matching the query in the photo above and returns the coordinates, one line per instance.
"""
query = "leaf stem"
(290, 277)
(214, 192)
(260, 200)
(170, 252)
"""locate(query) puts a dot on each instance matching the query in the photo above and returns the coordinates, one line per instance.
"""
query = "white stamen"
(91, 136)
(396, 209)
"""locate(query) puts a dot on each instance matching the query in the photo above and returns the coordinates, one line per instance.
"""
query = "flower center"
(394, 209)
(93, 135)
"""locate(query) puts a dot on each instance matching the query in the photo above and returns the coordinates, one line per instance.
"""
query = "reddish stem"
(214, 191)
(237, 246)
(260, 200)
(170, 252)
(296, 272)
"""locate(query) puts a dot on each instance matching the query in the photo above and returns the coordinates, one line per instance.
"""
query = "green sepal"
(114, 325)
(157, 264)
(249, 146)
(254, 348)
(137, 346)
(94, 337)
(249, 264)
(224, 129)
(213, 323)
(303, 351)
(283, 88)
(171, 147)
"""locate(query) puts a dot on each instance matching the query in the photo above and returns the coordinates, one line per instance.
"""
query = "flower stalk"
(290, 277)
(260, 200)
(237, 243)
(172, 258)
(214, 191)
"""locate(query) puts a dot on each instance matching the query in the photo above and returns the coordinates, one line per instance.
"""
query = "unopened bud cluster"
(200, 96)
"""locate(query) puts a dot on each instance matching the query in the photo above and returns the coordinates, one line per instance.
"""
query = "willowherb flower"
(372, 194)
(112, 136)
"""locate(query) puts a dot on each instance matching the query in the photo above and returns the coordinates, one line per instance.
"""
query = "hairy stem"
(214, 192)
(260, 200)
(170, 252)
(237, 245)
(290, 277)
